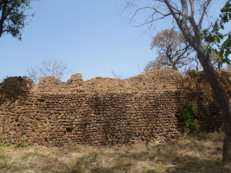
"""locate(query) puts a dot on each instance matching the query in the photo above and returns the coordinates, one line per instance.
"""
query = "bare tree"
(175, 52)
(190, 63)
(189, 16)
(173, 49)
(51, 67)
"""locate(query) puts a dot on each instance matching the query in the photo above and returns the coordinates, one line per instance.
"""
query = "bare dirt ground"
(199, 153)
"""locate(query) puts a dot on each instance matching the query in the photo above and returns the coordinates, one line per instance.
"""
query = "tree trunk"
(0, 31)
(222, 101)
(174, 66)
(219, 94)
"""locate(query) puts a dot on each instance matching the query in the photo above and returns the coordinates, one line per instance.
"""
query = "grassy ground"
(199, 153)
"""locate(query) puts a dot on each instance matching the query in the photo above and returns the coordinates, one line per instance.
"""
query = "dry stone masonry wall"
(105, 111)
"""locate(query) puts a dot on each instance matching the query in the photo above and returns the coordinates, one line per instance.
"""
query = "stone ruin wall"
(105, 111)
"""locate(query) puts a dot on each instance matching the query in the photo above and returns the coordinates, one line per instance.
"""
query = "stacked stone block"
(106, 111)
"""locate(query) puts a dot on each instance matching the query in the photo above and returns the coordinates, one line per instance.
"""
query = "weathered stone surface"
(105, 111)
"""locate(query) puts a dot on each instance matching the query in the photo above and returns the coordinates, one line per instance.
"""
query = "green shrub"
(187, 116)
(19, 145)
(4, 144)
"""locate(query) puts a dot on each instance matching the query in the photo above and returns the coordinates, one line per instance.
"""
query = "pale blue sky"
(91, 37)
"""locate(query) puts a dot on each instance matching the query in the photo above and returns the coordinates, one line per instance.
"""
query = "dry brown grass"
(199, 153)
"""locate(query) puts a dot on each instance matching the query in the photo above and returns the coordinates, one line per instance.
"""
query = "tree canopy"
(13, 16)
(173, 49)
(189, 16)
(217, 40)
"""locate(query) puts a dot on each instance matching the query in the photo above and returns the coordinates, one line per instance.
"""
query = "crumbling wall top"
(151, 81)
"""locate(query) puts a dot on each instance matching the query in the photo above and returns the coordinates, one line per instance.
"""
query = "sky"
(91, 37)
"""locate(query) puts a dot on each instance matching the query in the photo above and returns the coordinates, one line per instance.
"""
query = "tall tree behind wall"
(189, 16)
(173, 50)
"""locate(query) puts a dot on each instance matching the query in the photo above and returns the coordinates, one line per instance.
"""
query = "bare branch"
(182, 23)
(153, 20)
(155, 12)
(137, 11)
(205, 6)
(51, 67)
(192, 8)
(184, 11)
(196, 30)
(171, 10)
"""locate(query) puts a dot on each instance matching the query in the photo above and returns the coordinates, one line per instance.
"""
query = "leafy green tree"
(13, 16)
(189, 16)
(217, 40)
